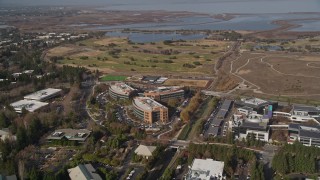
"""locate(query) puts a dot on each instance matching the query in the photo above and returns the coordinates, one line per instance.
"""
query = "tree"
(184, 115)
(111, 175)
(34, 175)
(172, 102)
(4, 121)
(35, 131)
(22, 138)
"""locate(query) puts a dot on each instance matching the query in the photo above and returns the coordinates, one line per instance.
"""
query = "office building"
(307, 135)
(165, 93)
(206, 169)
(149, 110)
(79, 135)
(29, 105)
(44, 94)
(121, 90)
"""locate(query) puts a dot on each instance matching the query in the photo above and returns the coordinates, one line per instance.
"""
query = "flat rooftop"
(262, 126)
(29, 105)
(306, 131)
(147, 103)
(306, 108)
(254, 101)
(204, 168)
(150, 78)
(43, 94)
(166, 89)
(70, 134)
(121, 88)
(212, 130)
(226, 105)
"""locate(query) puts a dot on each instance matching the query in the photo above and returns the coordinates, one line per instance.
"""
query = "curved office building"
(120, 91)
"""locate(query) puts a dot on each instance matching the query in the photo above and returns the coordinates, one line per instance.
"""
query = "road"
(127, 165)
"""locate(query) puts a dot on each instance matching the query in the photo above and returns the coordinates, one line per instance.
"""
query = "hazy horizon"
(201, 6)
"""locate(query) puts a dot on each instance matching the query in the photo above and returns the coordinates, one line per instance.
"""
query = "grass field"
(185, 132)
(117, 54)
(113, 78)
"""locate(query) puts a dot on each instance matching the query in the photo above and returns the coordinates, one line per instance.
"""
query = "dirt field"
(186, 82)
(110, 40)
(60, 50)
(279, 74)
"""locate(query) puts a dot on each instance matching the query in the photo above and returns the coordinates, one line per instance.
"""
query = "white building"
(206, 169)
(253, 124)
(29, 105)
(83, 172)
(145, 151)
(5, 134)
(120, 90)
(305, 113)
(44, 94)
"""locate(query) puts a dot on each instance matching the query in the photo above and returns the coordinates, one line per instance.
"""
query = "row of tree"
(296, 158)
(188, 111)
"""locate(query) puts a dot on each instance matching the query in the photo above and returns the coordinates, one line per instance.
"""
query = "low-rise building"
(258, 105)
(165, 93)
(12, 177)
(79, 135)
(150, 79)
(29, 105)
(149, 110)
(5, 134)
(121, 90)
(145, 151)
(216, 121)
(307, 135)
(206, 169)
(44, 95)
(252, 125)
(305, 113)
(83, 172)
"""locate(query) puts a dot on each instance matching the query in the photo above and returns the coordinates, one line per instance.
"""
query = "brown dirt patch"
(187, 82)
(272, 82)
(89, 53)
(290, 65)
(310, 58)
(61, 50)
(110, 40)
(244, 71)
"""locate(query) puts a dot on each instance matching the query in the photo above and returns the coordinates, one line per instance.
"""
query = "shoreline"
(93, 18)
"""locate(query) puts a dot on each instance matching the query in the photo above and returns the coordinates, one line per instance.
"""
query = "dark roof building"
(150, 79)
(217, 120)
(305, 111)
(307, 135)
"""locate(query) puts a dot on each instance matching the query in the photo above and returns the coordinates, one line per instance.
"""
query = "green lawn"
(184, 133)
(113, 78)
